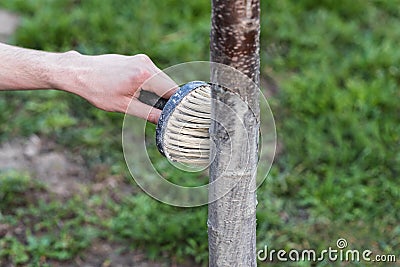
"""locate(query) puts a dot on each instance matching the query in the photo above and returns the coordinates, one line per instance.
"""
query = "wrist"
(66, 72)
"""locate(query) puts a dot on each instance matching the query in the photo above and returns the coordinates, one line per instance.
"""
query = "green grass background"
(337, 110)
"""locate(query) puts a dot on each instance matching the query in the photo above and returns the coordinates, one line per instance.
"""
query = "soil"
(64, 176)
(8, 24)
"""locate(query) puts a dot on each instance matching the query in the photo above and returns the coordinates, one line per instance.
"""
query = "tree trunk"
(232, 218)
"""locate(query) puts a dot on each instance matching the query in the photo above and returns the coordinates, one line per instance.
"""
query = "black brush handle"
(152, 99)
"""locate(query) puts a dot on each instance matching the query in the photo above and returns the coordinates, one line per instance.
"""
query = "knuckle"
(143, 74)
(144, 58)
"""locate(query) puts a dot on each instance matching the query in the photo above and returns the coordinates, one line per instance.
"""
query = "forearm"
(22, 69)
(27, 69)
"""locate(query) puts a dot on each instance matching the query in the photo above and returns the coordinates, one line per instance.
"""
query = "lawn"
(336, 100)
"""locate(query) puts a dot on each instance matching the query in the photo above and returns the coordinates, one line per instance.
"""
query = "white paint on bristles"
(187, 139)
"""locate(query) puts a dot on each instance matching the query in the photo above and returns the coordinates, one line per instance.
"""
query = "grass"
(39, 228)
(336, 110)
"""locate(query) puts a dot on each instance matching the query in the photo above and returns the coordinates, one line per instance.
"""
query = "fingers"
(141, 110)
(160, 83)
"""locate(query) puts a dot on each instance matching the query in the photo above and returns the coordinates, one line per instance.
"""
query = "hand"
(111, 82)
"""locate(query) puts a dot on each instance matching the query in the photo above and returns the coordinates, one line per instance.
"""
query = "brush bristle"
(187, 139)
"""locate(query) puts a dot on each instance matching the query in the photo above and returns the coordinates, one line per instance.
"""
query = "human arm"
(110, 82)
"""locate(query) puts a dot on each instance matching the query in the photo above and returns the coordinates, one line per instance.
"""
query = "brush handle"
(152, 99)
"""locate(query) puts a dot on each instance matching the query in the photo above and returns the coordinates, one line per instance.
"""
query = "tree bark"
(232, 218)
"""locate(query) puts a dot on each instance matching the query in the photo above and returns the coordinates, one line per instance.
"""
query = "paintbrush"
(182, 132)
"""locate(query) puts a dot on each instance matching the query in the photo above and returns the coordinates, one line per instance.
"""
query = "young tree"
(232, 218)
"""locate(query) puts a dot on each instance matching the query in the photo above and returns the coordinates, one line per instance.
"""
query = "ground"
(64, 175)
(8, 24)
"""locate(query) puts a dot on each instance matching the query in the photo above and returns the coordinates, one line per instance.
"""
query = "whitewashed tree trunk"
(232, 218)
